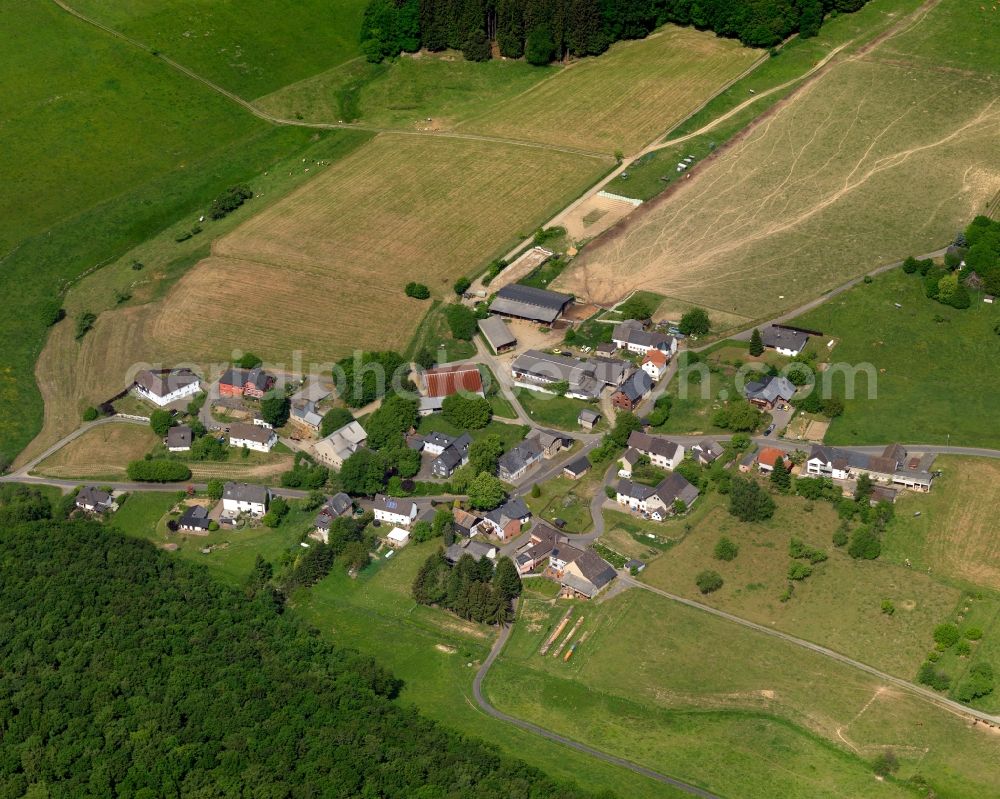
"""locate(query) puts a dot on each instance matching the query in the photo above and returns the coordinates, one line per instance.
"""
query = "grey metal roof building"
(527, 302)
(497, 334)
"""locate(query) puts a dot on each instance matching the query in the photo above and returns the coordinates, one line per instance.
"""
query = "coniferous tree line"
(471, 589)
(545, 30)
(124, 672)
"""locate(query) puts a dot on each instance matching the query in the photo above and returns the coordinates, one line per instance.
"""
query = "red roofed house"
(654, 364)
(767, 457)
(447, 380)
(238, 382)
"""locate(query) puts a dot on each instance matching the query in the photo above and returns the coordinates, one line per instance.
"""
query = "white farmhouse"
(390, 510)
(240, 498)
(165, 387)
(252, 436)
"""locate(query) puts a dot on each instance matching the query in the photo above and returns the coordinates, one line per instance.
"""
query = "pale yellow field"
(867, 164)
(323, 271)
(103, 451)
(624, 98)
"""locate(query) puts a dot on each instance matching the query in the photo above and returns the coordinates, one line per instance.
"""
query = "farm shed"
(528, 302)
(497, 334)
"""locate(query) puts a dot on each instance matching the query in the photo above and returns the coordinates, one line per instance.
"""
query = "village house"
(894, 466)
(477, 550)
(537, 370)
(552, 443)
(588, 419)
(94, 500)
(452, 456)
(390, 510)
(237, 382)
(305, 413)
(662, 453)
(577, 468)
(581, 573)
(537, 550)
(340, 444)
(464, 523)
(194, 520)
(610, 371)
(249, 498)
(605, 348)
(769, 392)
(252, 436)
(515, 463)
(654, 364)
(707, 451)
(768, 456)
(657, 502)
(783, 340)
(528, 302)
(336, 506)
(630, 335)
(632, 392)
(497, 334)
(164, 387)
(747, 461)
(444, 381)
(505, 522)
(178, 439)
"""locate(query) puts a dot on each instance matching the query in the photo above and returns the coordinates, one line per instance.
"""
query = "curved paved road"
(477, 692)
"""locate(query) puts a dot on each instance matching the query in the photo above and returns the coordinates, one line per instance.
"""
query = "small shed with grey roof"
(497, 334)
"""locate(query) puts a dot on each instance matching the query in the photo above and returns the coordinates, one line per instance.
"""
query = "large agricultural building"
(527, 302)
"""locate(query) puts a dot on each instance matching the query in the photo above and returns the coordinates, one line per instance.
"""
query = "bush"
(695, 322)
(885, 764)
(467, 412)
(799, 571)
(726, 549)
(748, 502)
(461, 321)
(231, 199)
(417, 290)
(910, 265)
(158, 471)
(708, 581)
(213, 526)
(928, 675)
(636, 307)
(946, 634)
(249, 361)
(461, 286)
(90, 414)
(215, 489)
(980, 682)
(865, 544)
(888, 608)
(840, 537)
(973, 633)
(161, 421)
(85, 323)
(963, 649)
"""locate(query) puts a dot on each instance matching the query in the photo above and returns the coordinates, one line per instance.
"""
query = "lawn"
(140, 514)
(509, 434)
(915, 349)
(343, 247)
(552, 411)
(566, 499)
(252, 47)
(434, 335)
(624, 98)
(101, 453)
(753, 724)
(425, 91)
(838, 606)
(750, 233)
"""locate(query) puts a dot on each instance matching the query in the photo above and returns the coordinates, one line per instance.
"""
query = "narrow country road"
(477, 692)
(919, 690)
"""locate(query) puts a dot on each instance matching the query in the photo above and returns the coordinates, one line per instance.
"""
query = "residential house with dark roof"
(464, 523)
(528, 302)
(577, 468)
(178, 438)
(166, 386)
(784, 341)
(237, 382)
(581, 573)
(707, 451)
(245, 498)
(632, 391)
(477, 550)
(657, 502)
(305, 413)
(537, 550)
(662, 452)
(94, 500)
(552, 442)
(454, 455)
(338, 505)
(769, 391)
(194, 520)
(505, 522)
(611, 371)
(514, 464)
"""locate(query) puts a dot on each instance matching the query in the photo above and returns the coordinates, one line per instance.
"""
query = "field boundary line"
(917, 690)
(275, 120)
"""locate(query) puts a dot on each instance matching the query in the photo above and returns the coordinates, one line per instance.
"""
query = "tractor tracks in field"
(299, 123)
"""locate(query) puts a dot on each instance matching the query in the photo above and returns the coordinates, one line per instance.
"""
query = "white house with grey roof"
(178, 438)
(630, 335)
(783, 340)
(662, 453)
(164, 387)
(537, 370)
(391, 510)
(94, 500)
(455, 454)
(252, 436)
(340, 444)
(249, 498)
(657, 502)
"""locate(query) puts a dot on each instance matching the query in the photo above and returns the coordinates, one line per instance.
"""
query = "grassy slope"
(82, 113)
(251, 47)
(935, 365)
(752, 724)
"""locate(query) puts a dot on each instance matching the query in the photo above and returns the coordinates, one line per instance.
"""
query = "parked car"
(770, 429)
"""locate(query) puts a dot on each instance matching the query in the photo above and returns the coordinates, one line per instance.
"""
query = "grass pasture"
(624, 98)
(102, 452)
(900, 156)
(251, 48)
(915, 350)
(766, 719)
(322, 272)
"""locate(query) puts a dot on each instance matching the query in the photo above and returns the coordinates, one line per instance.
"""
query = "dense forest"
(124, 672)
(545, 30)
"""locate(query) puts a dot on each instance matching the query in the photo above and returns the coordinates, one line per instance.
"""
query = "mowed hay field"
(867, 163)
(957, 533)
(624, 98)
(735, 711)
(102, 452)
(323, 271)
